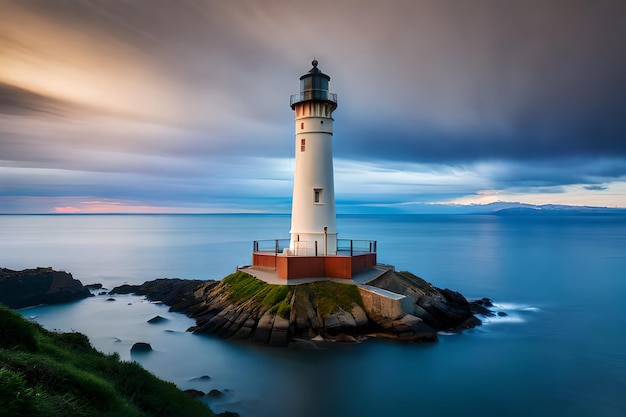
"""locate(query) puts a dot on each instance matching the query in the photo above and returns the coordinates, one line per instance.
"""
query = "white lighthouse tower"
(313, 250)
(313, 219)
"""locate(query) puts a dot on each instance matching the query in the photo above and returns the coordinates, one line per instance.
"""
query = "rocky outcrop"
(396, 305)
(175, 292)
(440, 309)
(19, 289)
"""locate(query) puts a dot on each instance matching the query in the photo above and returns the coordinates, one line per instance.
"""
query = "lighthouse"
(313, 217)
(313, 250)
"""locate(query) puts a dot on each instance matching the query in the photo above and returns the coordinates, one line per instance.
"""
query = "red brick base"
(293, 267)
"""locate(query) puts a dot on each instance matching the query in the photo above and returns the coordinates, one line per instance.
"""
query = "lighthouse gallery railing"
(312, 95)
(345, 247)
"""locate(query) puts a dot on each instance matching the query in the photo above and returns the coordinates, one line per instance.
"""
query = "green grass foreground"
(47, 374)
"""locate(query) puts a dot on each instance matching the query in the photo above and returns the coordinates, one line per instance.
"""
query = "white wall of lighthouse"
(313, 217)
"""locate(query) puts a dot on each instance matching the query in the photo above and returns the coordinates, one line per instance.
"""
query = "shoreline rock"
(396, 305)
(31, 287)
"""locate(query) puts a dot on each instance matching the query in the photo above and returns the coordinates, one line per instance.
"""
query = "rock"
(280, 332)
(102, 293)
(175, 292)
(110, 299)
(422, 314)
(440, 309)
(344, 338)
(201, 378)
(454, 297)
(405, 323)
(215, 393)
(125, 289)
(359, 315)
(157, 320)
(484, 302)
(29, 287)
(141, 347)
(419, 310)
(332, 323)
(264, 329)
(245, 331)
(346, 319)
(502, 314)
(194, 393)
(303, 315)
(96, 286)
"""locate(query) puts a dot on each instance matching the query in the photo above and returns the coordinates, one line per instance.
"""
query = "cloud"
(187, 103)
(596, 187)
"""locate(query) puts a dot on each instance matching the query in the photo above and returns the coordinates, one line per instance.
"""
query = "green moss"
(49, 374)
(331, 296)
(327, 296)
(275, 295)
(244, 287)
(283, 307)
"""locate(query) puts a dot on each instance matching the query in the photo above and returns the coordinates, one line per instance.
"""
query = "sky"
(183, 106)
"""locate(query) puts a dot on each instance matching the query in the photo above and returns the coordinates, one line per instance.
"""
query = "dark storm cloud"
(516, 80)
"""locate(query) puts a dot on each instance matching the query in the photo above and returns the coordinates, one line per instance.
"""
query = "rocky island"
(395, 305)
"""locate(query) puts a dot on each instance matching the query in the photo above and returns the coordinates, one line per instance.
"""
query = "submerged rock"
(141, 347)
(157, 319)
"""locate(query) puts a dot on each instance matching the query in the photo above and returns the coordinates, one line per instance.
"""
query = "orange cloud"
(67, 209)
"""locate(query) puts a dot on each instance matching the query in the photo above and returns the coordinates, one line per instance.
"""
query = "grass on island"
(245, 287)
(327, 296)
(330, 296)
(49, 374)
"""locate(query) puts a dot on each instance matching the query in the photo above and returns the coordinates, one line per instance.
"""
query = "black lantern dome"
(314, 87)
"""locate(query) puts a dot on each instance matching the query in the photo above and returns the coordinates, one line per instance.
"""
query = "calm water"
(561, 350)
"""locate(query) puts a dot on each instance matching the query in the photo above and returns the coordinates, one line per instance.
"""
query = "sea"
(559, 350)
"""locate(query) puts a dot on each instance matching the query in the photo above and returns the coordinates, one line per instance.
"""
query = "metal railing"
(355, 247)
(274, 246)
(312, 95)
(344, 246)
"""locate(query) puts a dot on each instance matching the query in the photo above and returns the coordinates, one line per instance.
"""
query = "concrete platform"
(270, 276)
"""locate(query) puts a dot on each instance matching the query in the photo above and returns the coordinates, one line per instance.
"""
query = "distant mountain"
(499, 208)
(509, 209)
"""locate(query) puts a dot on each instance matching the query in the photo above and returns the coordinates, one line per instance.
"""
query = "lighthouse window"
(302, 125)
(302, 145)
(317, 195)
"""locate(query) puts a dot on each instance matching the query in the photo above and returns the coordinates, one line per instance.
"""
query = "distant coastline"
(497, 208)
